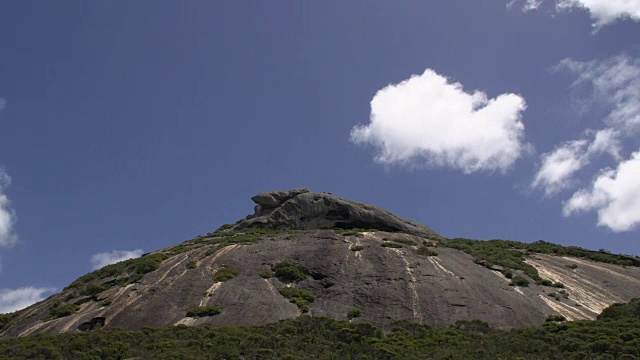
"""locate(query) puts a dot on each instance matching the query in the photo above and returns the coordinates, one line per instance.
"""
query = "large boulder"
(305, 210)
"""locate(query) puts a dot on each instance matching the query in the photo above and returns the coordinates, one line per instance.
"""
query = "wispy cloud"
(15, 299)
(429, 120)
(559, 166)
(603, 12)
(103, 259)
(8, 218)
(614, 195)
(614, 87)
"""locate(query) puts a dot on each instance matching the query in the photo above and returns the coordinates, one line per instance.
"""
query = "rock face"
(346, 270)
(305, 210)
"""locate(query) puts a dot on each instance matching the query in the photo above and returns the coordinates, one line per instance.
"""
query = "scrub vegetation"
(615, 335)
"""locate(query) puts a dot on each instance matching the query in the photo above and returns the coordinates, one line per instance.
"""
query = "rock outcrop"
(302, 209)
(401, 270)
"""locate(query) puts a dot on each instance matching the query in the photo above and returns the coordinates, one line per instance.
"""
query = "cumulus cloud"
(106, 258)
(603, 12)
(15, 299)
(428, 120)
(614, 195)
(7, 215)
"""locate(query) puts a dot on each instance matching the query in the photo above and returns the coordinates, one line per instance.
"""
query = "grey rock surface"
(304, 210)
(389, 284)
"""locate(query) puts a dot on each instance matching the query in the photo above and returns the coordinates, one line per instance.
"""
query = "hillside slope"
(239, 275)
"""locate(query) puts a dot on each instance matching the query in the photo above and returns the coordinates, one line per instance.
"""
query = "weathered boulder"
(305, 210)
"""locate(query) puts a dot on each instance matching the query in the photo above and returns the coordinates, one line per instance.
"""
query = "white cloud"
(616, 85)
(614, 194)
(3, 103)
(527, 5)
(427, 120)
(15, 299)
(7, 215)
(560, 165)
(603, 12)
(103, 259)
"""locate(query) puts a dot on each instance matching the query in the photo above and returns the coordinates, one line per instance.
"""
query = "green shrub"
(519, 281)
(267, 274)
(508, 273)
(354, 313)
(301, 297)
(423, 250)
(62, 311)
(546, 282)
(389, 244)
(288, 271)
(202, 311)
(106, 302)
(405, 241)
(572, 266)
(192, 264)
(555, 318)
(225, 273)
(618, 311)
(356, 248)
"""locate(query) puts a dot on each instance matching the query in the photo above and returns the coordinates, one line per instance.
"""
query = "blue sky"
(130, 126)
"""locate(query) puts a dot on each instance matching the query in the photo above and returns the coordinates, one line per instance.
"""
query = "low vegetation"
(354, 313)
(301, 297)
(62, 311)
(404, 241)
(615, 335)
(425, 251)
(519, 281)
(290, 271)
(267, 274)
(202, 311)
(225, 273)
(356, 248)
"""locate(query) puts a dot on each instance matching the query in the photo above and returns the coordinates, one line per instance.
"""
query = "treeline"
(615, 335)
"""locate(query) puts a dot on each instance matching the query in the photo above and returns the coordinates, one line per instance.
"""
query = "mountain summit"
(301, 209)
(310, 253)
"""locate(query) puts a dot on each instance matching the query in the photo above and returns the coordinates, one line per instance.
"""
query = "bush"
(555, 318)
(267, 274)
(354, 313)
(519, 281)
(423, 250)
(356, 248)
(572, 266)
(202, 311)
(62, 311)
(507, 273)
(405, 241)
(288, 271)
(191, 264)
(301, 297)
(225, 273)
